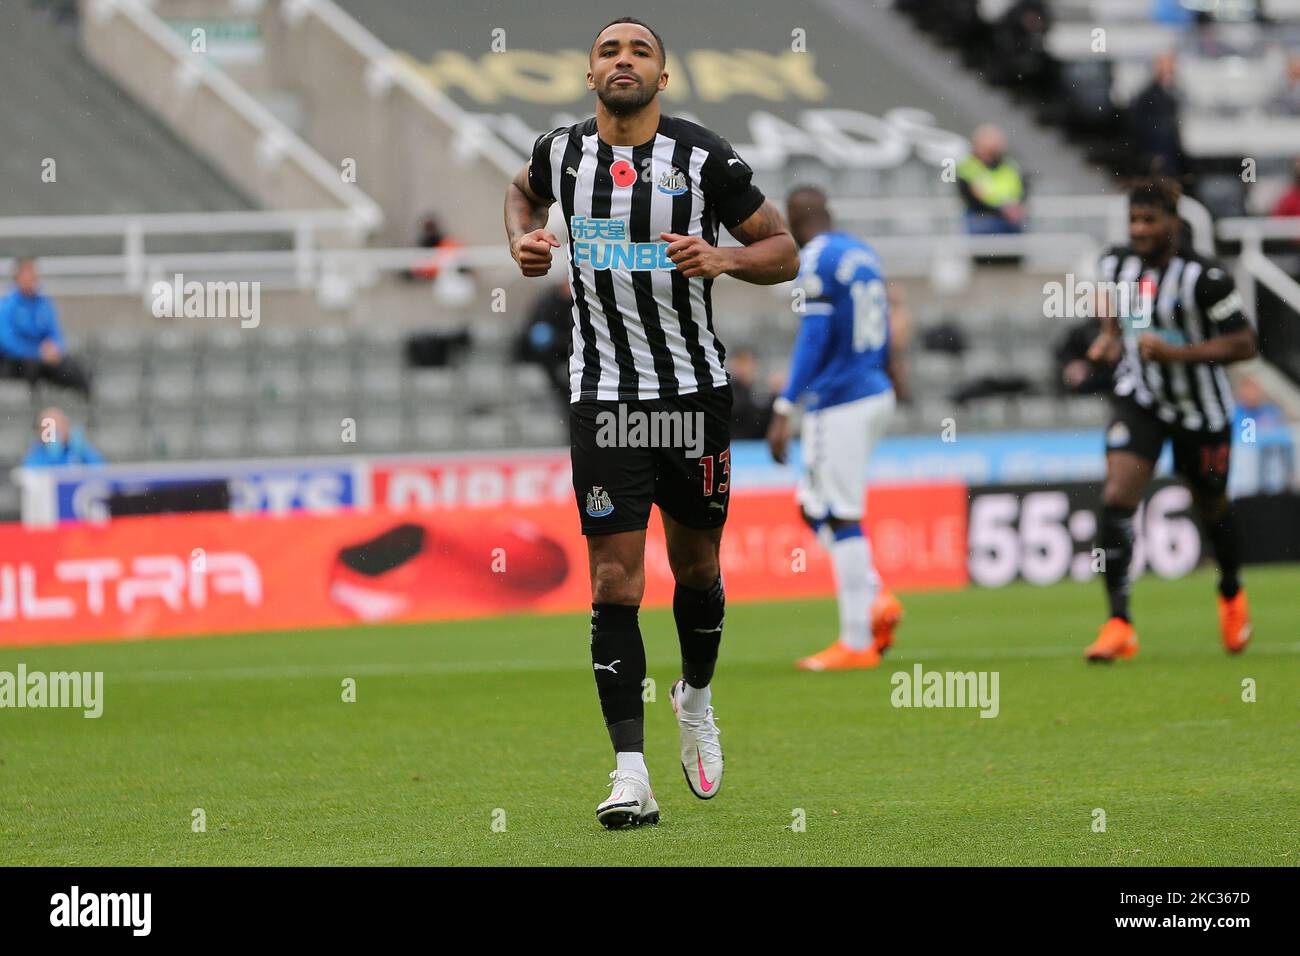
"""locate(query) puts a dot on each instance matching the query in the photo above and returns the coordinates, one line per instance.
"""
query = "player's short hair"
(21, 261)
(1159, 191)
(807, 188)
(663, 50)
(808, 205)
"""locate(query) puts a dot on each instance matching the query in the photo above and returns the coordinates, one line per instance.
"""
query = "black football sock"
(1117, 541)
(618, 660)
(699, 630)
(1227, 551)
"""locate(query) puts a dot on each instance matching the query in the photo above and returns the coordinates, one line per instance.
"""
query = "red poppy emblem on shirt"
(623, 173)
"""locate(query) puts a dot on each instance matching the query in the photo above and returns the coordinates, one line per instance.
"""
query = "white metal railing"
(129, 270)
(385, 69)
(1252, 231)
(275, 142)
(1103, 216)
(307, 261)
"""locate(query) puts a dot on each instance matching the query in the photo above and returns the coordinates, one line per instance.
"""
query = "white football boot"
(701, 747)
(631, 802)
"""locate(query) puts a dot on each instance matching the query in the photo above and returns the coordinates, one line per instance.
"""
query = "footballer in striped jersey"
(644, 197)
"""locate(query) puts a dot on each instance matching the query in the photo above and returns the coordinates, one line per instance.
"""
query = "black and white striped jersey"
(640, 329)
(1190, 300)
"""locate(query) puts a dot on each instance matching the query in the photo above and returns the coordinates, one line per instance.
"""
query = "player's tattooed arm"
(768, 256)
(526, 215)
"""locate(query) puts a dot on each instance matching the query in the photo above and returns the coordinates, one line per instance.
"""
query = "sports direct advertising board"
(333, 542)
(443, 558)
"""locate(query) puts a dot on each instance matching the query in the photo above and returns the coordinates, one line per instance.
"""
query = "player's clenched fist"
(694, 257)
(1105, 348)
(532, 251)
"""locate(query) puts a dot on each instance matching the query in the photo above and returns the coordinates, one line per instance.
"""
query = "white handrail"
(1264, 270)
(305, 258)
(1245, 228)
(242, 103)
(385, 67)
(179, 223)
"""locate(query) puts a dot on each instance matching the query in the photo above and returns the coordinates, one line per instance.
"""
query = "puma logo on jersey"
(570, 171)
(606, 667)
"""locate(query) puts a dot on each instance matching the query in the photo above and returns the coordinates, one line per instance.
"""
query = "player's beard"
(626, 101)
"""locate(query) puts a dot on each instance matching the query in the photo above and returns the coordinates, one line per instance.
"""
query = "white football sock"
(632, 760)
(695, 700)
(856, 584)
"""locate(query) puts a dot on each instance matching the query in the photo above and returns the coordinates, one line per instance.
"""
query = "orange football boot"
(840, 657)
(1234, 622)
(1117, 640)
(886, 612)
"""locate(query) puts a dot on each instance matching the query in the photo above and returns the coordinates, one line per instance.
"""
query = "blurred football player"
(843, 375)
(1181, 326)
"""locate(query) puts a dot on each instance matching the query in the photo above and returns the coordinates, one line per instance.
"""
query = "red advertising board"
(173, 575)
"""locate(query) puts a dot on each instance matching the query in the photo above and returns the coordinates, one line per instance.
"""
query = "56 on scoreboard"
(1044, 533)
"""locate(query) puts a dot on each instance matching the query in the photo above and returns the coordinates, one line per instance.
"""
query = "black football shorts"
(672, 452)
(1201, 458)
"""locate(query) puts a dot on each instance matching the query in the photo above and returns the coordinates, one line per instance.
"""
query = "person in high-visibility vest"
(991, 185)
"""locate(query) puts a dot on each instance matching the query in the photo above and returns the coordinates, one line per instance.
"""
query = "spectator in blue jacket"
(31, 342)
(58, 443)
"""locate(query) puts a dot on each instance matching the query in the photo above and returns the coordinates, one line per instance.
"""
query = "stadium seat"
(173, 386)
(541, 428)
(433, 431)
(529, 381)
(117, 389)
(119, 441)
(482, 380)
(1033, 363)
(983, 414)
(1088, 411)
(276, 432)
(380, 428)
(932, 411)
(225, 379)
(125, 340)
(15, 397)
(15, 436)
(487, 431)
(324, 432)
(380, 378)
(329, 373)
(1038, 412)
(222, 438)
(432, 384)
(171, 439)
(275, 381)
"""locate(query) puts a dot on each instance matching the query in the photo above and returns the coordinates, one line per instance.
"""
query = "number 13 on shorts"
(723, 472)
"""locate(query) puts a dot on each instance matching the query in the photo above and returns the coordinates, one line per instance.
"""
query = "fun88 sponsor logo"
(603, 244)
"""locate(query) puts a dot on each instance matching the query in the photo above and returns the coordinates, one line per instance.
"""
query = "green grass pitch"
(455, 722)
